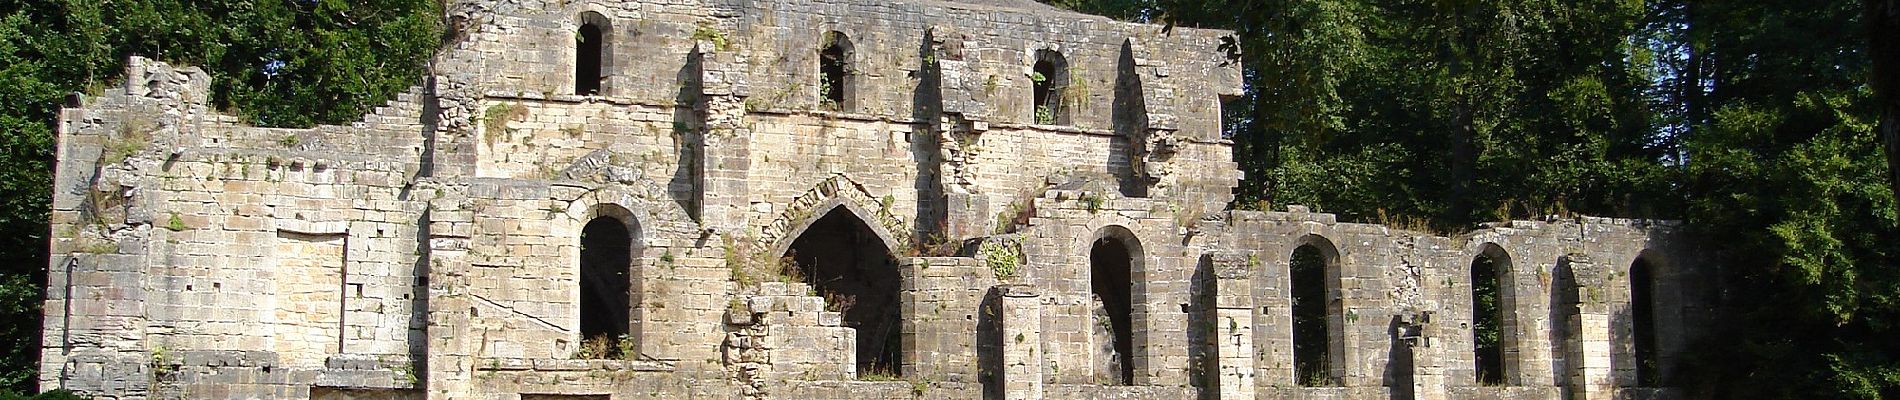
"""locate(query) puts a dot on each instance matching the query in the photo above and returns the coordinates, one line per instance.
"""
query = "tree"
(1883, 34)
(1761, 124)
(1784, 173)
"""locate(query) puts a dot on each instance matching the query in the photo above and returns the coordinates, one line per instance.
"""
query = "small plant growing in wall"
(1002, 257)
(1045, 115)
(405, 373)
(603, 347)
(176, 224)
(163, 363)
(917, 387)
(840, 303)
(824, 102)
(706, 32)
(880, 375)
(1093, 202)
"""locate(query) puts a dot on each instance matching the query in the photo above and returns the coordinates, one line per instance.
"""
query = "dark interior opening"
(1051, 76)
(1643, 312)
(1487, 321)
(849, 265)
(834, 68)
(1110, 267)
(606, 255)
(587, 71)
(1308, 270)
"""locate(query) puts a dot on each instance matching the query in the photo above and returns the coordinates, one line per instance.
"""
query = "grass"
(496, 118)
(133, 137)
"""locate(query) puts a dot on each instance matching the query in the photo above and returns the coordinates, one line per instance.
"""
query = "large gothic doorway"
(847, 263)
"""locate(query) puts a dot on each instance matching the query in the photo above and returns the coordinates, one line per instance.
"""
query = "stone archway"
(850, 264)
(1114, 257)
(837, 191)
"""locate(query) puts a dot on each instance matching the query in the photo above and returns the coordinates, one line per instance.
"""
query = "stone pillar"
(725, 154)
(1022, 343)
(1416, 331)
(1233, 326)
(451, 359)
(1592, 374)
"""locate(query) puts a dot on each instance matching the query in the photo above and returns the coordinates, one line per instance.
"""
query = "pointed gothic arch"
(854, 267)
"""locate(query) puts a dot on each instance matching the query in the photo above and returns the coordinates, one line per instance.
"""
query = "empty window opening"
(606, 255)
(1313, 315)
(849, 265)
(835, 79)
(1110, 269)
(1492, 330)
(1563, 307)
(1643, 314)
(1049, 79)
(590, 59)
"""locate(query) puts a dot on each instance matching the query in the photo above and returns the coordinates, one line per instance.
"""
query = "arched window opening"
(836, 79)
(606, 280)
(1493, 327)
(1564, 299)
(1050, 77)
(1643, 314)
(590, 58)
(850, 266)
(1111, 264)
(1315, 314)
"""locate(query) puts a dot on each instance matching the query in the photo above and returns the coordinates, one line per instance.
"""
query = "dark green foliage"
(1447, 112)
(1759, 123)
(276, 62)
(1786, 171)
(51, 395)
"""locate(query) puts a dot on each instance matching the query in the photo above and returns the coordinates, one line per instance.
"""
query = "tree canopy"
(1754, 122)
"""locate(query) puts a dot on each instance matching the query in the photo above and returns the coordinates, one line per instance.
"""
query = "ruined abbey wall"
(436, 248)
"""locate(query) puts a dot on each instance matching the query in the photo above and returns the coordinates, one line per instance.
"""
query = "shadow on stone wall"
(689, 117)
(932, 204)
(1130, 118)
(989, 344)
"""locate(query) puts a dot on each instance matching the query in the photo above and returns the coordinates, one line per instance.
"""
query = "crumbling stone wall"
(433, 249)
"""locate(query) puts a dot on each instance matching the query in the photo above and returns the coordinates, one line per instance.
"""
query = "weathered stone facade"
(917, 226)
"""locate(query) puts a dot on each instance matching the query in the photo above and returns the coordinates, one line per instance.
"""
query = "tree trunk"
(1883, 25)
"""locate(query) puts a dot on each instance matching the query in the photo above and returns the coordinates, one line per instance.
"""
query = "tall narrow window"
(605, 283)
(1315, 313)
(1493, 322)
(1643, 312)
(1049, 78)
(1111, 264)
(835, 75)
(590, 56)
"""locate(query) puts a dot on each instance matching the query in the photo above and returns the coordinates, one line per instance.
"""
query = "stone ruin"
(799, 199)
